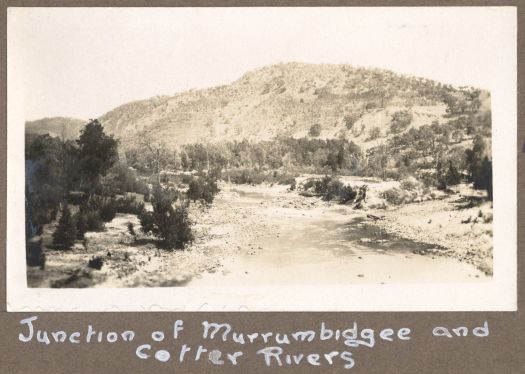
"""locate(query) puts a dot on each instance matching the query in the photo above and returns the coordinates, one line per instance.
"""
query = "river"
(326, 244)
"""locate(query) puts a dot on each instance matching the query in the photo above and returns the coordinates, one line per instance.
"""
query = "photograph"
(223, 148)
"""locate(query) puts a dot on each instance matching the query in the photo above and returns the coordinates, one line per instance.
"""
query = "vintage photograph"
(192, 148)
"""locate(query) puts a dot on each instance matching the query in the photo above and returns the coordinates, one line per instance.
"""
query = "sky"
(83, 62)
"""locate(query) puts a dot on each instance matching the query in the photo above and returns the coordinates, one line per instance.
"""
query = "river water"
(328, 245)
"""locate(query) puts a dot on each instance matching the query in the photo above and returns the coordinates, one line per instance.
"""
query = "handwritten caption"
(274, 344)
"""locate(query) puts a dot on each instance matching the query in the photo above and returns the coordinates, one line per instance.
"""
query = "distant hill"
(278, 100)
(63, 127)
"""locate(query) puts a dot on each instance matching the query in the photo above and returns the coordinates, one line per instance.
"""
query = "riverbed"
(315, 242)
(267, 235)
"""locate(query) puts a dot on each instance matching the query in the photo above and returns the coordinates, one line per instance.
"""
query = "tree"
(97, 152)
(66, 232)
(479, 165)
(44, 179)
(156, 155)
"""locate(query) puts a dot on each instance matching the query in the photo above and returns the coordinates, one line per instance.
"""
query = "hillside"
(63, 127)
(279, 100)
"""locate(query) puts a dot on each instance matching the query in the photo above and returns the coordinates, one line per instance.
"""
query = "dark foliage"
(66, 232)
(400, 121)
(97, 153)
(480, 166)
(82, 224)
(96, 262)
(34, 253)
(203, 188)
(128, 205)
(131, 229)
(330, 188)
(315, 130)
(171, 225)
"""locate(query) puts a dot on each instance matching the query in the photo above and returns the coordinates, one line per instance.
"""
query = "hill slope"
(279, 100)
(63, 127)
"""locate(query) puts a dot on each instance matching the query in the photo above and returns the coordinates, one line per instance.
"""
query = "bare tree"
(157, 154)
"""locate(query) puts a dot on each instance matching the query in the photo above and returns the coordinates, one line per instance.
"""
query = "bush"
(410, 184)
(34, 253)
(92, 218)
(128, 205)
(96, 263)
(309, 184)
(394, 196)
(315, 130)
(82, 225)
(330, 188)
(400, 121)
(350, 119)
(131, 230)
(108, 211)
(203, 188)
(66, 232)
(76, 197)
(374, 133)
(171, 225)
(186, 178)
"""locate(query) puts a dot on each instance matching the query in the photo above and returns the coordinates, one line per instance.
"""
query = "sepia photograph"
(220, 149)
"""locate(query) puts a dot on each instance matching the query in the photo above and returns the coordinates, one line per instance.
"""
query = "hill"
(63, 127)
(282, 100)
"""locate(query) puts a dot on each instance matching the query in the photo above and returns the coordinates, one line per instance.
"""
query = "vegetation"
(96, 262)
(315, 130)
(66, 232)
(330, 188)
(97, 153)
(400, 121)
(87, 174)
(203, 188)
(171, 225)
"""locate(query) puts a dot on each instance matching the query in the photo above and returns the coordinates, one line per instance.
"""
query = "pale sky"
(83, 62)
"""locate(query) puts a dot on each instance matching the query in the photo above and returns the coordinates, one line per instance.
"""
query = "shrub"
(410, 184)
(203, 188)
(309, 183)
(349, 120)
(330, 188)
(108, 211)
(76, 197)
(171, 225)
(128, 205)
(374, 133)
(394, 196)
(131, 230)
(336, 190)
(66, 232)
(82, 225)
(315, 130)
(92, 218)
(34, 253)
(96, 263)
(400, 121)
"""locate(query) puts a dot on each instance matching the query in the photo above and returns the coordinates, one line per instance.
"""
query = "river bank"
(268, 235)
